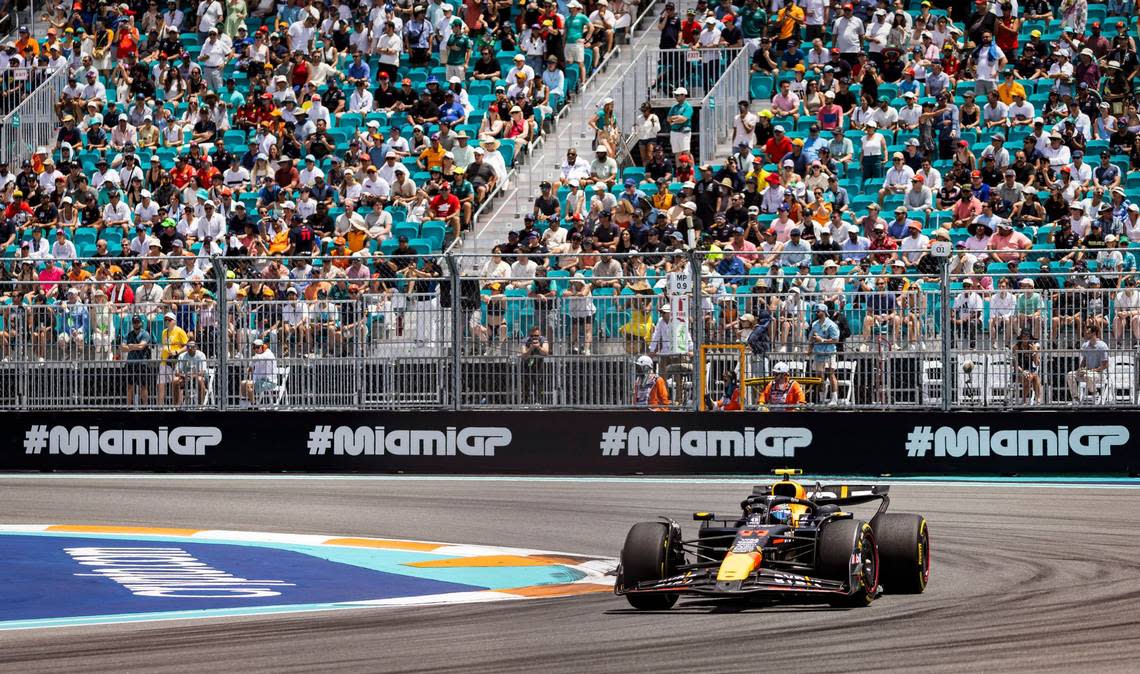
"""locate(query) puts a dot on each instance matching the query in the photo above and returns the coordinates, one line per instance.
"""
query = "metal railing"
(559, 331)
(718, 108)
(28, 102)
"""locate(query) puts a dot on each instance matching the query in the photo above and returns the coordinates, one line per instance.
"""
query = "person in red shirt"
(777, 146)
(690, 28)
(286, 174)
(206, 172)
(182, 173)
(1005, 30)
(445, 206)
(18, 206)
(730, 399)
(880, 241)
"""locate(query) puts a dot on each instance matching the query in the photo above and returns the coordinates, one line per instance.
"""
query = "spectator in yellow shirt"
(173, 343)
(432, 156)
(1009, 88)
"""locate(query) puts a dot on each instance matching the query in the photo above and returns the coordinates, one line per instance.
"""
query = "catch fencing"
(559, 331)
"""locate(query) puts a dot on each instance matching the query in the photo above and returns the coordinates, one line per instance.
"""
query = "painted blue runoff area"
(43, 581)
(387, 561)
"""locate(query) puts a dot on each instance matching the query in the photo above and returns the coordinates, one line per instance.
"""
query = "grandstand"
(281, 188)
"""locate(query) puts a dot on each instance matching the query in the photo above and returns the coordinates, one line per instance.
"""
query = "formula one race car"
(790, 542)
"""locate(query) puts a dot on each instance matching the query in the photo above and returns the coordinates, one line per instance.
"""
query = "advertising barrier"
(573, 443)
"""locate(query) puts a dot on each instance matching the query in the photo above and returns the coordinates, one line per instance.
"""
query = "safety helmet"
(780, 514)
(780, 368)
(644, 364)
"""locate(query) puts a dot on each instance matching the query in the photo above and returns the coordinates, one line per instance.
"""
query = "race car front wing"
(763, 581)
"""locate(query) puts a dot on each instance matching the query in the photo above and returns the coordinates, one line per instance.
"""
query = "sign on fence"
(572, 443)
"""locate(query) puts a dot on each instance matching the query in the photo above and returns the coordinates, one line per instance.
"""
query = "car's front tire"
(847, 552)
(646, 556)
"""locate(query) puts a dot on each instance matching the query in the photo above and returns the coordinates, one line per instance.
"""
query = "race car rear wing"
(836, 494)
(847, 494)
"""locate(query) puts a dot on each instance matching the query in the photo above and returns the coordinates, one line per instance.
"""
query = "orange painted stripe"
(554, 559)
(385, 544)
(78, 528)
(561, 590)
(479, 561)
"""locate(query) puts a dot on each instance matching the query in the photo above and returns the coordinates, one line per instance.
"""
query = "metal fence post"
(947, 339)
(222, 392)
(456, 329)
(696, 324)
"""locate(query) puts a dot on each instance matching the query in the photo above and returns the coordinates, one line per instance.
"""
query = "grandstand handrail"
(31, 124)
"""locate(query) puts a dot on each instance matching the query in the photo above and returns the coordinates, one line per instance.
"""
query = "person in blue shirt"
(823, 334)
(812, 144)
(792, 55)
(359, 70)
(452, 110)
(731, 268)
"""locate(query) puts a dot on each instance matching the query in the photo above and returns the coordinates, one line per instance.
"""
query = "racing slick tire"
(840, 542)
(646, 555)
(904, 552)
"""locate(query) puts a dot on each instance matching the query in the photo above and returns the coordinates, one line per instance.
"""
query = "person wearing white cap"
(874, 151)
(520, 66)
(173, 341)
(578, 32)
(910, 114)
(262, 373)
(878, 29)
(146, 209)
(123, 134)
(1061, 72)
(707, 41)
(680, 119)
(604, 22)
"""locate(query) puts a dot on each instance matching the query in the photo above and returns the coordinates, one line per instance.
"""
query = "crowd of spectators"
(870, 132)
(363, 136)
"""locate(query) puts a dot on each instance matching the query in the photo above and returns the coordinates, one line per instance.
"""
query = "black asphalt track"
(1024, 579)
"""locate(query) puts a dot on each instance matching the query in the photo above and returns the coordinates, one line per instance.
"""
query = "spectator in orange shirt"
(788, 22)
(206, 172)
(28, 47)
(649, 388)
(182, 173)
(783, 391)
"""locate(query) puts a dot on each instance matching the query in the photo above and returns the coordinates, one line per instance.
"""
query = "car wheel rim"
(868, 571)
(924, 553)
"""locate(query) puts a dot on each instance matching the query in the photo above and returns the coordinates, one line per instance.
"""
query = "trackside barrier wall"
(577, 443)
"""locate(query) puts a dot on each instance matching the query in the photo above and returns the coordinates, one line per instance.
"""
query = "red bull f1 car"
(790, 542)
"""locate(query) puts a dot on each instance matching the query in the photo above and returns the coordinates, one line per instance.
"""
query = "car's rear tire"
(839, 543)
(904, 552)
(646, 555)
